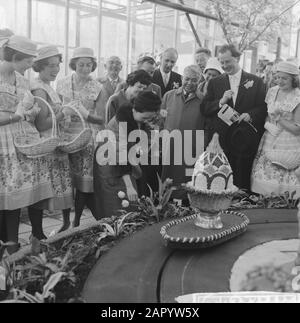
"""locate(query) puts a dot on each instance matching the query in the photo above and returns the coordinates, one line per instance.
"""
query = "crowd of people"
(151, 97)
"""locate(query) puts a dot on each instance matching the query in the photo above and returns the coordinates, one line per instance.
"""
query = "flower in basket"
(31, 114)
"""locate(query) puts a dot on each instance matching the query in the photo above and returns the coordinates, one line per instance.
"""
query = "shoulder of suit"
(176, 74)
(252, 76)
(157, 71)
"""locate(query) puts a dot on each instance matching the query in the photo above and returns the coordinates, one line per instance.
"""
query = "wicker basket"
(287, 159)
(42, 146)
(80, 141)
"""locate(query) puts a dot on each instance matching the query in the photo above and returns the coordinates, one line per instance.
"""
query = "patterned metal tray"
(184, 234)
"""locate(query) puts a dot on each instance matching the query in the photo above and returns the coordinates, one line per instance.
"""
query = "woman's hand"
(276, 115)
(68, 112)
(20, 111)
(31, 114)
(131, 194)
(272, 128)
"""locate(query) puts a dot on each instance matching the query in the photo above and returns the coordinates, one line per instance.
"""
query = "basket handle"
(11, 94)
(54, 123)
(70, 105)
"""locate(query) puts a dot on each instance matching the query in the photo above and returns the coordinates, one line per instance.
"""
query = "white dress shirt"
(235, 81)
(165, 77)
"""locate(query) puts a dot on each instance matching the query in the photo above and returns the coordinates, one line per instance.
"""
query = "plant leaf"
(52, 282)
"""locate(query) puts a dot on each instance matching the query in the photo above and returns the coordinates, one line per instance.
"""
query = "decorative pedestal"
(183, 234)
(206, 220)
(208, 208)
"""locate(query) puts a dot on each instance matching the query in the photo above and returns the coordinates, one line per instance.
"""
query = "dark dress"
(108, 181)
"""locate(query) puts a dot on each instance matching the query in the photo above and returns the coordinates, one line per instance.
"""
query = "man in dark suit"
(246, 94)
(164, 76)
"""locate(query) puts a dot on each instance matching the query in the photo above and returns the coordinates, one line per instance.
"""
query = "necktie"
(114, 84)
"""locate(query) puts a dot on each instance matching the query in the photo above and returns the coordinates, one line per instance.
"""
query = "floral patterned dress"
(58, 162)
(23, 181)
(266, 177)
(82, 161)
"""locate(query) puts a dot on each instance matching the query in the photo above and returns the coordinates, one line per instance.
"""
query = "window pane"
(13, 15)
(48, 23)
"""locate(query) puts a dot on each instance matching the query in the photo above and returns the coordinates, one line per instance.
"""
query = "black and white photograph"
(149, 154)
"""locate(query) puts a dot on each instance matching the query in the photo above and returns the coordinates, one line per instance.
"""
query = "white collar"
(237, 75)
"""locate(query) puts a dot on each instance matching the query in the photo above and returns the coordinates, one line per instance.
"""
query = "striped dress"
(23, 181)
(58, 162)
(82, 161)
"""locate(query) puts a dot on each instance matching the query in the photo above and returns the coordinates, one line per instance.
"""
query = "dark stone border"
(142, 269)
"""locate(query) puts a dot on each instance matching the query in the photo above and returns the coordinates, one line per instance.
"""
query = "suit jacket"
(106, 92)
(174, 82)
(251, 101)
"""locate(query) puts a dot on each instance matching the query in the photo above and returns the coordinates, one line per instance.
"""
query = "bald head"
(168, 59)
(191, 78)
(113, 66)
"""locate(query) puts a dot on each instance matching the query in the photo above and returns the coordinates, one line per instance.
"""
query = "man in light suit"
(246, 94)
(110, 82)
(164, 76)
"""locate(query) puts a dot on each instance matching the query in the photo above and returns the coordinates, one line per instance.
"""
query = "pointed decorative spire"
(214, 146)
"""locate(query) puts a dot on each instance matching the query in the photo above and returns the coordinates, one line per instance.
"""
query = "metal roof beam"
(184, 8)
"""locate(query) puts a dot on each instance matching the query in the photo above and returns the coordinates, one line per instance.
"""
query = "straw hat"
(23, 45)
(83, 52)
(46, 52)
(213, 64)
(6, 33)
(288, 67)
(4, 36)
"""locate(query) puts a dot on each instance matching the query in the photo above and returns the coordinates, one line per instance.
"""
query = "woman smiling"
(47, 64)
(80, 86)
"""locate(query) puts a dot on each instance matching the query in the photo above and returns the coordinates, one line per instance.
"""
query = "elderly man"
(164, 76)
(110, 82)
(148, 64)
(202, 56)
(183, 113)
